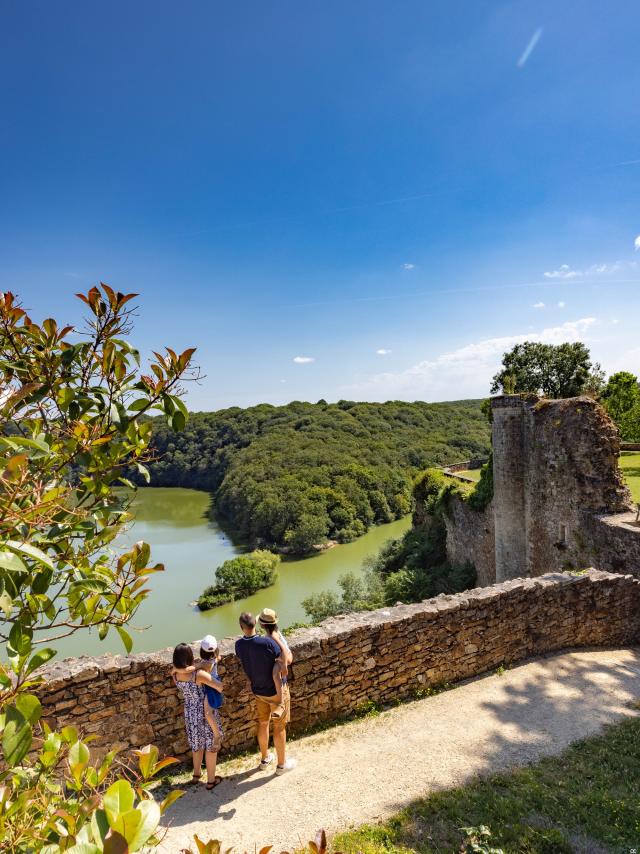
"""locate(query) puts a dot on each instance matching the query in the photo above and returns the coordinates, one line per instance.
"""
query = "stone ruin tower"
(559, 499)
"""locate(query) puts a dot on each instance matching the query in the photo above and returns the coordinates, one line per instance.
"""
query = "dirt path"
(366, 770)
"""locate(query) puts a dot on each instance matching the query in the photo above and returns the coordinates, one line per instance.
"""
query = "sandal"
(194, 780)
(216, 782)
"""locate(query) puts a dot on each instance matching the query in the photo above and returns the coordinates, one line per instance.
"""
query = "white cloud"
(413, 266)
(383, 352)
(283, 381)
(465, 372)
(561, 304)
(564, 271)
(538, 305)
(636, 242)
(303, 360)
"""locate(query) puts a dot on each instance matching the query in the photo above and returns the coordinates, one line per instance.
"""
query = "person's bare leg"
(211, 760)
(196, 755)
(210, 718)
(280, 744)
(263, 738)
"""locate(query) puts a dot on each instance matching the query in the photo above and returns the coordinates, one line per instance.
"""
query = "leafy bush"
(240, 577)
(482, 495)
(61, 802)
(358, 593)
(71, 424)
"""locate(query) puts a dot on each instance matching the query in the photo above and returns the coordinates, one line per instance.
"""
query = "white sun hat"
(208, 643)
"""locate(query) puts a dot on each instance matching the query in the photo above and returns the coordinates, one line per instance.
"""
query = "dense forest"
(292, 476)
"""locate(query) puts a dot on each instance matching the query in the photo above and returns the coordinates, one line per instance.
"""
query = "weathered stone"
(334, 671)
(559, 498)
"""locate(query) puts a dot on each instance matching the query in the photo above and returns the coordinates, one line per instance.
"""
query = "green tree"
(554, 370)
(308, 532)
(630, 424)
(72, 423)
(621, 394)
(239, 577)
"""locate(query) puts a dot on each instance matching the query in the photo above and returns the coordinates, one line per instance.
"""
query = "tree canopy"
(293, 476)
(554, 370)
(621, 398)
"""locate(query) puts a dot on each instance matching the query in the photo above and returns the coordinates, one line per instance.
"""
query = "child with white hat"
(210, 655)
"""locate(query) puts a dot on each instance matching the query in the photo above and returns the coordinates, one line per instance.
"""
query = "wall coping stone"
(304, 641)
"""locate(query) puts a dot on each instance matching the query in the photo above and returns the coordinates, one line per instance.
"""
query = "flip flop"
(216, 782)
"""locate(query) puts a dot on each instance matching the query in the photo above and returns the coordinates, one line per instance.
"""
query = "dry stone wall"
(379, 655)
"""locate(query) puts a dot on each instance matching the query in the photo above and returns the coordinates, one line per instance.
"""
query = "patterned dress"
(199, 734)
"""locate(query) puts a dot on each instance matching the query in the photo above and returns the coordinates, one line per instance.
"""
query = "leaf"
(16, 738)
(150, 819)
(85, 848)
(69, 734)
(42, 582)
(39, 658)
(78, 758)
(99, 826)
(181, 406)
(118, 799)
(115, 844)
(29, 707)
(211, 847)
(144, 471)
(171, 798)
(20, 639)
(146, 759)
(31, 551)
(11, 561)
(127, 823)
(126, 638)
(89, 585)
(30, 444)
(178, 421)
(321, 841)
(6, 603)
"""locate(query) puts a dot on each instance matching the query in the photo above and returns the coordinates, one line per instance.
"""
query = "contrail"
(326, 211)
(437, 291)
(535, 38)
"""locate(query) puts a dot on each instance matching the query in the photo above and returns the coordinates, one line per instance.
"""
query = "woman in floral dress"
(202, 740)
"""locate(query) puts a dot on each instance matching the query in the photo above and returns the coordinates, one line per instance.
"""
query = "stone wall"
(380, 655)
(471, 538)
(616, 543)
(559, 499)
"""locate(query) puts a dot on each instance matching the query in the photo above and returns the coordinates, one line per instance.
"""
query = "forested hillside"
(294, 475)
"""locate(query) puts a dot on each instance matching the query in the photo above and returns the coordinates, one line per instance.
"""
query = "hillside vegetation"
(293, 476)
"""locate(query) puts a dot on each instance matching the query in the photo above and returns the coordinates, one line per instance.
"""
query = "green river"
(175, 524)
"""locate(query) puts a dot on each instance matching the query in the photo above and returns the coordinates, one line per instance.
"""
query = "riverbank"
(176, 524)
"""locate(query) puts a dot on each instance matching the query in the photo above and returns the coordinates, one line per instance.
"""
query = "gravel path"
(366, 770)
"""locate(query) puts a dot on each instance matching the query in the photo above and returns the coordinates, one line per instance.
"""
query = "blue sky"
(391, 192)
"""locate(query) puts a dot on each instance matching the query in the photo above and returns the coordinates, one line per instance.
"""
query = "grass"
(474, 474)
(584, 799)
(630, 465)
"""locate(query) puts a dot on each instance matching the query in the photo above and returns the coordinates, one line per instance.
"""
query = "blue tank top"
(214, 698)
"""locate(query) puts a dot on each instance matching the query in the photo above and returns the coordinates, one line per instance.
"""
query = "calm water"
(174, 522)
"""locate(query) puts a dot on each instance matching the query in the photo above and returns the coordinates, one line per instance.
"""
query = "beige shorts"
(268, 708)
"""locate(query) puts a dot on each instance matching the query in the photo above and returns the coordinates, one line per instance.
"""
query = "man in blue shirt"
(258, 655)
